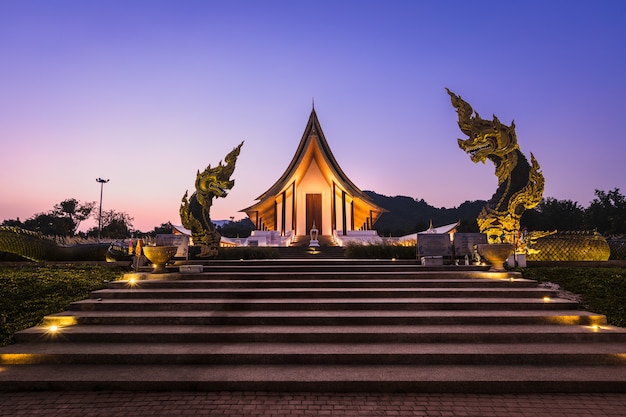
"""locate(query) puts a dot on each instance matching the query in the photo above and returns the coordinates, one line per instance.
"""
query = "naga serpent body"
(37, 247)
(520, 184)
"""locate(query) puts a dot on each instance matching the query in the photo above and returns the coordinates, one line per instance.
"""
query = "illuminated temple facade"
(313, 192)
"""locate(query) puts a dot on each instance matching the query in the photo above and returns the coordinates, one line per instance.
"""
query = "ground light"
(132, 282)
(53, 332)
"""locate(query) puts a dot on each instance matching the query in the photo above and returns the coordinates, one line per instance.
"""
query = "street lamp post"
(102, 182)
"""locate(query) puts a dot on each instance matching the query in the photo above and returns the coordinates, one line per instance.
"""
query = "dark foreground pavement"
(182, 404)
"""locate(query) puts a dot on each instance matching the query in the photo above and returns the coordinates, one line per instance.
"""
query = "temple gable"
(313, 189)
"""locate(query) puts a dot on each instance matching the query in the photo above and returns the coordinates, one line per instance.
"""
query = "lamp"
(102, 182)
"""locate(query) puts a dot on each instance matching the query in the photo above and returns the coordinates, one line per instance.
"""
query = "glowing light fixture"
(132, 282)
(60, 321)
(547, 299)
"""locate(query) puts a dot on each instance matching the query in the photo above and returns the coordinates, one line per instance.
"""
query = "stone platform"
(322, 326)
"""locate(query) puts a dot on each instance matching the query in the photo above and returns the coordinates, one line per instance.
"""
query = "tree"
(163, 229)
(607, 213)
(13, 222)
(115, 225)
(551, 214)
(74, 210)
(241, 228)
(62, 220)
(49, 224)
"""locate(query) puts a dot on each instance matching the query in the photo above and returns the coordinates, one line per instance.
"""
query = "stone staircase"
(299, 249)
(321, 325)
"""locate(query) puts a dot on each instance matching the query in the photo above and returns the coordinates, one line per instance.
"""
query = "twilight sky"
(145, 93)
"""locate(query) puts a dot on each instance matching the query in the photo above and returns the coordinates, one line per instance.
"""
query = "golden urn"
(159, 256)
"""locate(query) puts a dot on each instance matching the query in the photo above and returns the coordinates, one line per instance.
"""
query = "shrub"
(360, 251)
(618, 249)
(248, 252)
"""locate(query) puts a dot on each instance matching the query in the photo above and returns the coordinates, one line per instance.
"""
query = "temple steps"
(314, 281)
(325, 318)
(393, 333)
(323, 304)
(330, 353)
(307, 293)
(314, 378)
(323, 325)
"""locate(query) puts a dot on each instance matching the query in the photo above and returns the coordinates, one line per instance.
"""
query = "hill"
(409, 215)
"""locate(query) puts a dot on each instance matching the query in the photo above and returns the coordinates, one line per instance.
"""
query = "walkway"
(229, 404)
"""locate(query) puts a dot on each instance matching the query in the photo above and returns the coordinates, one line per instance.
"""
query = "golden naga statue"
(195, 212)
(520, 184)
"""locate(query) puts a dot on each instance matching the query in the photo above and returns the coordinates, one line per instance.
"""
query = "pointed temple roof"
(313, 146)
(313, 140)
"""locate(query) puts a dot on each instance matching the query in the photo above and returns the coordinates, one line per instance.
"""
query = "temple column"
(352, 215)
(275, 215)
(283, 213)
(293, 208)
(343, 213)
(333, 216)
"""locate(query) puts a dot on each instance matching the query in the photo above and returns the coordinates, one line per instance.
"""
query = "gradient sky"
(145, 93)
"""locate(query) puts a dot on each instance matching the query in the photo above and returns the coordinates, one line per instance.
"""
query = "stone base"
(516, 260)
(431, 260)
(191, 269)
(140, 276)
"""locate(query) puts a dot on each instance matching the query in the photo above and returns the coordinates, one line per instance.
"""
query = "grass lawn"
(603, 290)
(29, 292)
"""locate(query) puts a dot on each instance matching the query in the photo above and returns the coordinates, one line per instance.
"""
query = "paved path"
(183, 404)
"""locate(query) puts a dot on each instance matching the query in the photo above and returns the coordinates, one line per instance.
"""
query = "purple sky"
(145, 93)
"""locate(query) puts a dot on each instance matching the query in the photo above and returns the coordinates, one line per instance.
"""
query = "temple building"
(313, 193)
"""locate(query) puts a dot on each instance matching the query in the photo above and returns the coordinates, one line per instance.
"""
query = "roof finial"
(313, 102)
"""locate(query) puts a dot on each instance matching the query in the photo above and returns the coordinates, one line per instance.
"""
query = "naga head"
(488, 139)
(215, 182)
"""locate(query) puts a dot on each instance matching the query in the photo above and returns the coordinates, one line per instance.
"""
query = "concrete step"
(319, 326)
(386, 281)
(542, 354)
(313, 268)
(323, 304)
(317, 378)
(301, 250)
(328, 334)
(325, 318)
(309, 293)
